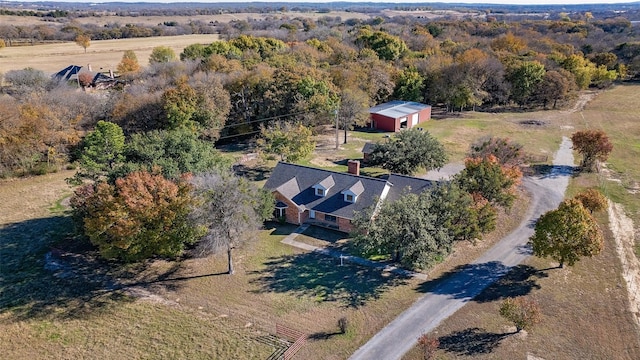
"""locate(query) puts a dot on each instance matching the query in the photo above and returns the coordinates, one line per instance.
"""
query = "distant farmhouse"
(396, 115)
(331, 199)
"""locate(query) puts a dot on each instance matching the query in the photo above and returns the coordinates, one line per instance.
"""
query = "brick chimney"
(354, 167)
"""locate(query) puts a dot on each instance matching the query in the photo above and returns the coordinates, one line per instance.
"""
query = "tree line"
(317, 72)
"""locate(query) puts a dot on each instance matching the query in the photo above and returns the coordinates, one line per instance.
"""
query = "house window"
(330, 218)
(280, 213)
(349, 198)
(319, 192)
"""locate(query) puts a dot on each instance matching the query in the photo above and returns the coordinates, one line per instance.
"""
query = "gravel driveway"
(445, 298)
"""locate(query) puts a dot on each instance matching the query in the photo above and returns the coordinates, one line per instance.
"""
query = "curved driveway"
(445, 298)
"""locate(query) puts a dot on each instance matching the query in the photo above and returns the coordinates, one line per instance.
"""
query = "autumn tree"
(180, 105)
(567, 233)
(140, 216)
(84, 41)
(291, 142)
(490, 180)
(463, 216)
(85, 79)
(129, 63)
(592, 200)
(593, 145)
(162, 54)
(554, 86)
(522, 312)
(428, 346)
(230, 210)
(102, 150)
(407, 151)
(507, 152)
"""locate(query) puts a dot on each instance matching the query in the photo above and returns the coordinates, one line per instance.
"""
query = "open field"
(155, 20)
(586, 307)
(103, 55)
(191, 309)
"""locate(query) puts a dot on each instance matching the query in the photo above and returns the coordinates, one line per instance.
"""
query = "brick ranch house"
(331, 199)
(396, 115)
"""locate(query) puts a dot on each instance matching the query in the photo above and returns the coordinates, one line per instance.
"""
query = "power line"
(265, 119)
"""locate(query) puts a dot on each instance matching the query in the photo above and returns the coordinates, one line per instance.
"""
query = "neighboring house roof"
(296, 183)
(397, 109)
(368, 148)
(402, 184)
(67, 72)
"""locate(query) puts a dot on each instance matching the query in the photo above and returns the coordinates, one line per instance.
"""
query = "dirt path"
(623, 233)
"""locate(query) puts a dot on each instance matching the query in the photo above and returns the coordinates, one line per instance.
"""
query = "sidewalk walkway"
(290, 240)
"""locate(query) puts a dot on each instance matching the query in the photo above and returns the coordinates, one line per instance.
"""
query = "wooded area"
(303, 69)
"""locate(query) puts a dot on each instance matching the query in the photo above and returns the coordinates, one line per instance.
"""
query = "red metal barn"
(396, 115)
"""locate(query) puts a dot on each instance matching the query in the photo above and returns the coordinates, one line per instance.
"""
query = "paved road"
(445, 298)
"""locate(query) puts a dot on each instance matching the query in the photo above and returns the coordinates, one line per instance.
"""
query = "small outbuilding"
(396, 115)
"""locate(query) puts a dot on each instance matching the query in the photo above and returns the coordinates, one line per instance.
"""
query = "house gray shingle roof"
(333, 203)
(406, 184)
(397, 109)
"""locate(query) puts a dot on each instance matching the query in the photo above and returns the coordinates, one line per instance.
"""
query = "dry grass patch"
(584, 315)
(103, 55)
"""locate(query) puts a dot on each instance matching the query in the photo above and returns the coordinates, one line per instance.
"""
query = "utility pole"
(335, 112)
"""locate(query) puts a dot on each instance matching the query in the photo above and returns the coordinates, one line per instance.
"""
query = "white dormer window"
(322, 187)
(351, 193)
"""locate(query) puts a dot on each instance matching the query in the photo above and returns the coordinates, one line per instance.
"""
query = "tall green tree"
(230, 210)
(387, 46)
(102, 150)
(593, 145)
(174, 152)
(567, 234)
(162, 54)
(524, 77)
(404, 230)
(140, 216)
(409, 86)
(407, 151)
(291, 142)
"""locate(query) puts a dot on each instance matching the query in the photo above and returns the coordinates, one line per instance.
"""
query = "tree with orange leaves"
(487, 178)
(141, 216)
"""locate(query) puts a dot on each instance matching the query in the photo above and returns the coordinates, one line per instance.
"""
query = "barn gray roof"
(397, 109)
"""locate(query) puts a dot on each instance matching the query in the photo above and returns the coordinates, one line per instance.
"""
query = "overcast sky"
(512, 2)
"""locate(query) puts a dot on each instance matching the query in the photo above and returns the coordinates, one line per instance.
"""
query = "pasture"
(103, 55)
(191, 309)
